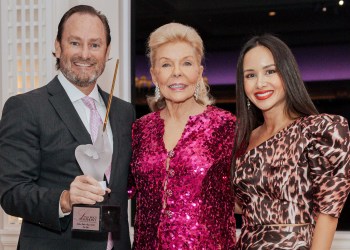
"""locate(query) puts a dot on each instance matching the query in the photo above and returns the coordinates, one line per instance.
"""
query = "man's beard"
(81, 78)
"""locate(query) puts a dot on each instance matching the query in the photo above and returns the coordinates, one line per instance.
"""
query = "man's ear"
(58, 49)
(108, 51)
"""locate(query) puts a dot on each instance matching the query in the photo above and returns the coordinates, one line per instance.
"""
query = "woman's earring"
(248, 104)
(196, 91)
(156, 93)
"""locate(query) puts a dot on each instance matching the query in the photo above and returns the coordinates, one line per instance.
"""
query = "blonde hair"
(177, 32)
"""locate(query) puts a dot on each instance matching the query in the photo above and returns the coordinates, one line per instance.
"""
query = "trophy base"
(96, 218)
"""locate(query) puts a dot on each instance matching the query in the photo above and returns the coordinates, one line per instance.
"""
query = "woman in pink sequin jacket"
(180, 170)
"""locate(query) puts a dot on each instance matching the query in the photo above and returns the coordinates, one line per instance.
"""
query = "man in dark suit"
(40, 178)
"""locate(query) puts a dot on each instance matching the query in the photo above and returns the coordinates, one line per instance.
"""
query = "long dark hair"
(82, 9)
(298, 101)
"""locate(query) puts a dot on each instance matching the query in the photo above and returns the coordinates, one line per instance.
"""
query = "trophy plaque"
(96, 218)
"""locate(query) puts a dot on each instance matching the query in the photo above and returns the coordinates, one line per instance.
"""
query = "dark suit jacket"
(39, 132)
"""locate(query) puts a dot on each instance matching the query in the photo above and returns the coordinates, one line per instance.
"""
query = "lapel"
(112, 117)
(66, 111)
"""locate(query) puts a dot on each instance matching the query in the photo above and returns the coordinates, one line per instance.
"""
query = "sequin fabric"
(298, 173)
(189, 205)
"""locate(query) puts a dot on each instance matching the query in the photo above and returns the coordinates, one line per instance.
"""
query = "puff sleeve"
(329, 161)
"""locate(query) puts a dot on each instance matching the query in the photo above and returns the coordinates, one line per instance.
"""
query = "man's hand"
(83, 190)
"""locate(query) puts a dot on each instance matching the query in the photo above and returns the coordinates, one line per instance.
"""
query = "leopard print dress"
(298, 173)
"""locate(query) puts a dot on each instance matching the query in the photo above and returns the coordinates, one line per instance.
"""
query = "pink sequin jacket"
(190, 205)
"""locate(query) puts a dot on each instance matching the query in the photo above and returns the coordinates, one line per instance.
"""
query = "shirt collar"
(74, 93)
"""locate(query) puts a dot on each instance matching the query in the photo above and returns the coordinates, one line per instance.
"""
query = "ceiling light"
(272, 13)
(341, 2)
(324, 9)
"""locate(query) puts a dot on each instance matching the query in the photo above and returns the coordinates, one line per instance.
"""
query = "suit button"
(171, 154)
(169, 213)
(171, 172)
(169, 192)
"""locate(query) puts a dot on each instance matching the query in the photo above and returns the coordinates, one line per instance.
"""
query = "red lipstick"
(263, 95)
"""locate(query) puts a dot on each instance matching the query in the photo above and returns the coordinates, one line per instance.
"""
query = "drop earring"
(196, 91)
(156, 93)
(248, 104)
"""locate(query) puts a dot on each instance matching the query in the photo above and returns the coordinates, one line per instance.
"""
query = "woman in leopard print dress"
(291, 171)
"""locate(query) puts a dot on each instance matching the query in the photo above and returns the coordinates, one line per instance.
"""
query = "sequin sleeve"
(329, 160)
(135, 142)
(218, 197)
